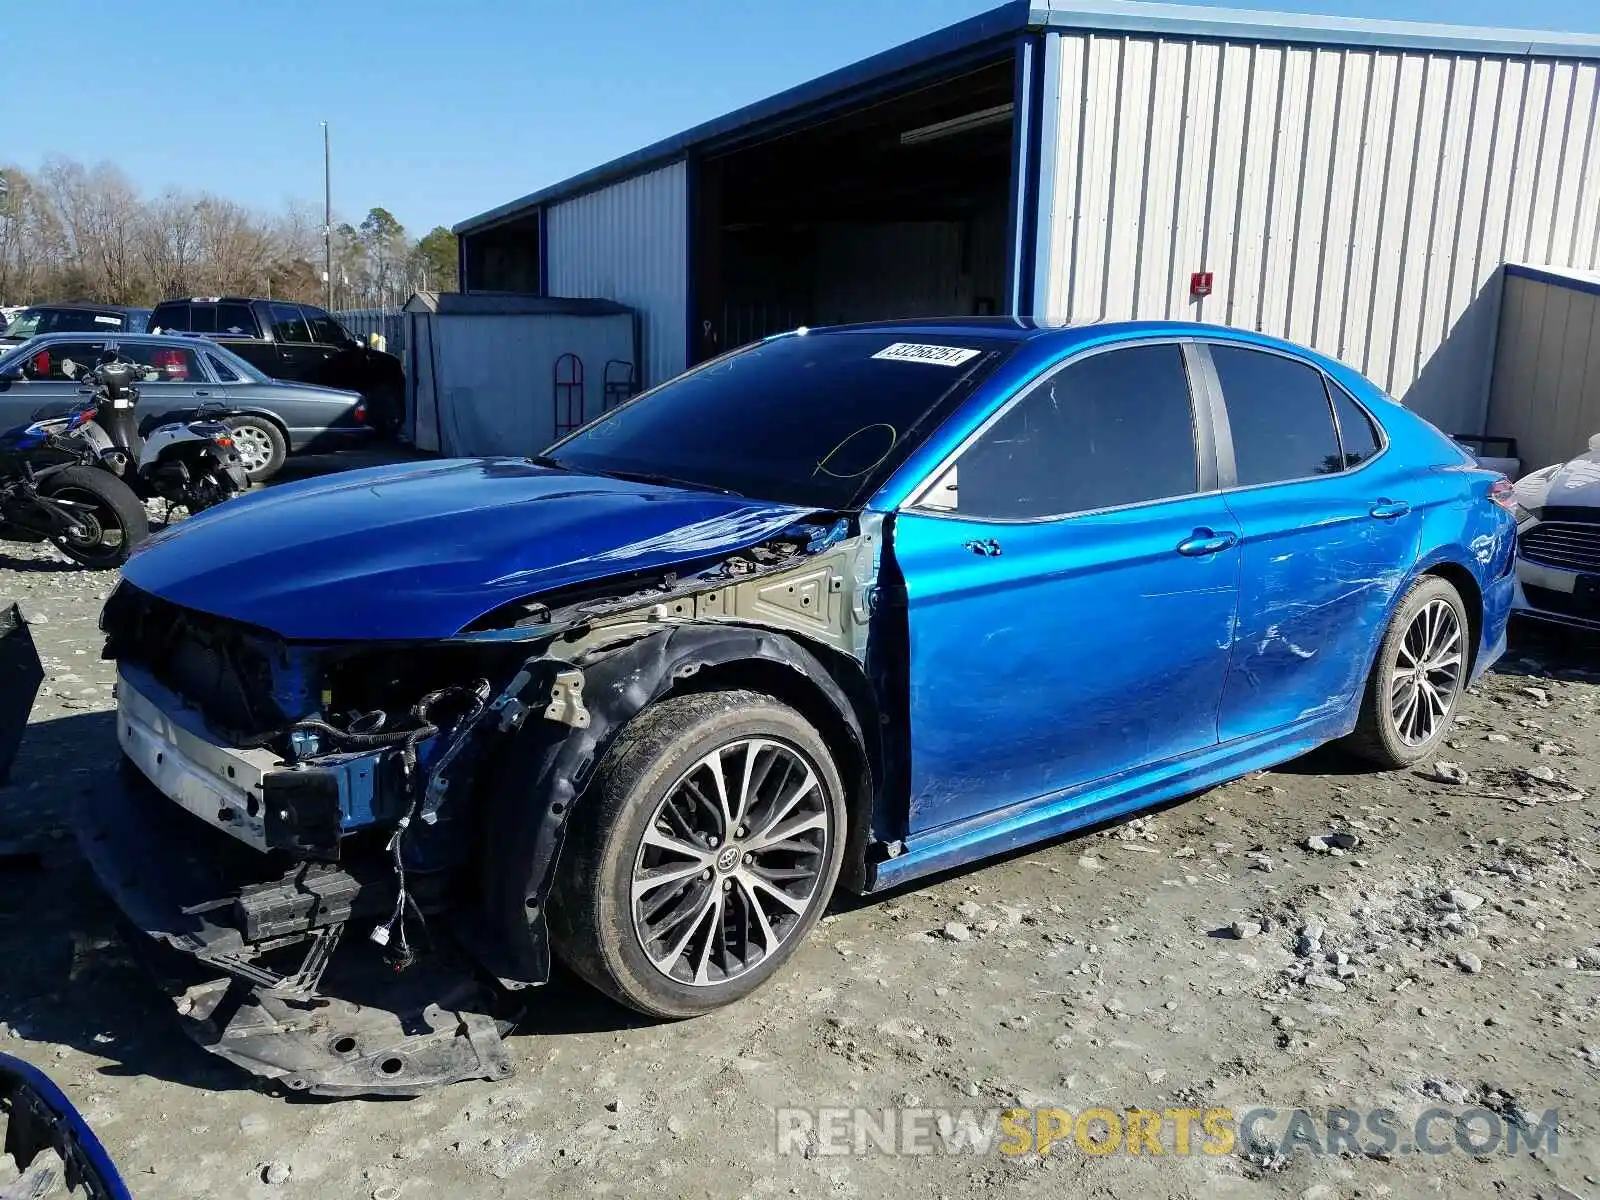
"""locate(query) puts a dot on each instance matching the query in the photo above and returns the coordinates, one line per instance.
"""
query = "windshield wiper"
(693, 485)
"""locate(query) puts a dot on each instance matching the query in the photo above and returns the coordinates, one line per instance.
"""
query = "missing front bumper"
(232, 943)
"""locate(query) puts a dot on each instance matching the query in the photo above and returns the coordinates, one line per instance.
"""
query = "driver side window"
(1113, 429)
(61, 362)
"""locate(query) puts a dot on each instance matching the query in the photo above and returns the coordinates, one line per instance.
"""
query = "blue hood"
(423, 551)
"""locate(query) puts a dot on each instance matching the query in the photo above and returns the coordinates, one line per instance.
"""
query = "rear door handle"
(1205, 542)
(1390, 510)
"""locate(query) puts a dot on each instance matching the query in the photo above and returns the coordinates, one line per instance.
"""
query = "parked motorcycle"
(192, 463)
(51, 489)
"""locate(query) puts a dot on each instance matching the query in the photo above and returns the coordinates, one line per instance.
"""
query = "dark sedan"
(271, 419)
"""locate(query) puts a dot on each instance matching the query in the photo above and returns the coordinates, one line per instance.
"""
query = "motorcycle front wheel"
(111, 519)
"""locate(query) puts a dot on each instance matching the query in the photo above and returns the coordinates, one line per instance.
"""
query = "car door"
(299, 358)
(48, 383)
(1329, 537)
(1070, 587)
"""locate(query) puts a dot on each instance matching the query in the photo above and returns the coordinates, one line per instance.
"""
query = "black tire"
(116, 524)
(1378, 736)
(594, 926)
(262, 446)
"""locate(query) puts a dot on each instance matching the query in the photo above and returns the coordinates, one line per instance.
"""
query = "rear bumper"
(249, 948)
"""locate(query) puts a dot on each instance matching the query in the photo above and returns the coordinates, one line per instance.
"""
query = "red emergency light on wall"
(1200, 285)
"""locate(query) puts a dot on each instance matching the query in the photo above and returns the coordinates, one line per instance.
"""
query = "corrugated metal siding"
(1546, 390)
(1356, 200)
(630, 243)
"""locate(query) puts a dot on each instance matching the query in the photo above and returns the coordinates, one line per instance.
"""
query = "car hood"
(1573, 484)
(421, 551)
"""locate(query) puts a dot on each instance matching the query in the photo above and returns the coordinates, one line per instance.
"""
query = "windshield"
(817, 419)
(31, 322)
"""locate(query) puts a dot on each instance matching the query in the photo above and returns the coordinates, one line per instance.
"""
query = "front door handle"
(1390, 510)
(987, 547)
(1205, 542)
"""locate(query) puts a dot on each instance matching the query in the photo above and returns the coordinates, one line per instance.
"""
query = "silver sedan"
(270, 420)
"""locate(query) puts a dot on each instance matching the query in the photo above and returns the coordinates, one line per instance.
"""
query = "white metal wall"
(1356, 200)
(629, 242)
(1547, 373)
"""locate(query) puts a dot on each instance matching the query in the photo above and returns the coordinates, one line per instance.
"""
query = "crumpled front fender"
(542, 778)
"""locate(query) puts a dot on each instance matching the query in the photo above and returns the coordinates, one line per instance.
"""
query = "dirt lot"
(1448, 957)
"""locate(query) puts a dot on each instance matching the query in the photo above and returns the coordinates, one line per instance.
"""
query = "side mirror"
(1594, 444)
(12, 373)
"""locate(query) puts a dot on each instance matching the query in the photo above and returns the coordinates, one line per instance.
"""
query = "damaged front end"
(346, 850)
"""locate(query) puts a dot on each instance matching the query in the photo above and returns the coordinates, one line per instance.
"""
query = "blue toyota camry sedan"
(840, 608)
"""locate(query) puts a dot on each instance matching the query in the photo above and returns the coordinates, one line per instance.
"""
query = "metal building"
(1353, 185)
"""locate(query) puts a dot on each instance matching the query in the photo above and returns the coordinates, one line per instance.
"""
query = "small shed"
(508, 373)
(1546, 388)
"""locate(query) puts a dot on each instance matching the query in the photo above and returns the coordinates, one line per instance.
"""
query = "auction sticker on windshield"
(938, 356)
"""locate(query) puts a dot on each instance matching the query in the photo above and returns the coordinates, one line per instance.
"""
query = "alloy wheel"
(254, 446)
(730, 862)
(1427, 673)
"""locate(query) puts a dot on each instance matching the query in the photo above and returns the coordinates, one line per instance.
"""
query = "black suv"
(296, 342)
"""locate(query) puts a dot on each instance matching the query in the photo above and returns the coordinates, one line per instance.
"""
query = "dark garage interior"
(896, 208)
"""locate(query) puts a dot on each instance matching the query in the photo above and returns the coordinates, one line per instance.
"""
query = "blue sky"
(440, 110)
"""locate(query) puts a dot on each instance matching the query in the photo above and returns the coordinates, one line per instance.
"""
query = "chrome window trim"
(1328, 382)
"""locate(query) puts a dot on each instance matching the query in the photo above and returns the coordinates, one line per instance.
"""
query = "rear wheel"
(111, 520)
(705, 852)
(261, 445)
(1417, 679)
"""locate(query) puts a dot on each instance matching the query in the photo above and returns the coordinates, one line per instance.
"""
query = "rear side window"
(289, 323)
(1110, 430)
(164, 364)
(223, 371)
(1278, 411)
(168, 318)
(236, 320)
(1358, 439)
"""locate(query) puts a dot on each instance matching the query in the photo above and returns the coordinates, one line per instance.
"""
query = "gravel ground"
(1310, 937)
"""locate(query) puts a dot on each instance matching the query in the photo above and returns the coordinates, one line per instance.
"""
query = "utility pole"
(327, 220)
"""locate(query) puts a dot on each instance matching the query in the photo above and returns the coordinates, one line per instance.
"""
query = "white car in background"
(1558, 534)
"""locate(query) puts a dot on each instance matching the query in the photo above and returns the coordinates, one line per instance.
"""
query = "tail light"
(224, 441)
(360, 414)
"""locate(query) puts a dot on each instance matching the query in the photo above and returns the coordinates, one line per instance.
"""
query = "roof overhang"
(989, 31)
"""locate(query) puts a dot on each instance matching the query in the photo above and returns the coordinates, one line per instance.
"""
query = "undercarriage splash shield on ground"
(310, 1006)
(21, 673)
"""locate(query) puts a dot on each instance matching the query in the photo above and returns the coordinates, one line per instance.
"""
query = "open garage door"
(894, 208)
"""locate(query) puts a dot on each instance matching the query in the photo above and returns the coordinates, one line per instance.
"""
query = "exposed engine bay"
(356, 841)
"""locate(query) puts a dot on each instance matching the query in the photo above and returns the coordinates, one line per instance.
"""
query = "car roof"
(197, 341)
(83, 306)
(1049, 337)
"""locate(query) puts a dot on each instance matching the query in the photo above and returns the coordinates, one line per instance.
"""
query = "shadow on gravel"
(36, 565)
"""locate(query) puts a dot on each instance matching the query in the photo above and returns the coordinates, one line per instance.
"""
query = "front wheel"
(706, 850)
(1417, 678)
(111, 520)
